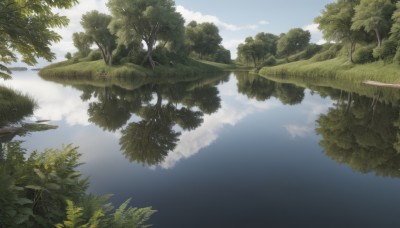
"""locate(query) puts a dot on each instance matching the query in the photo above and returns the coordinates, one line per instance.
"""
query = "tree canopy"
(293, 41)
(26, 28)
(96, 25)
(151, 20)
(203, 39)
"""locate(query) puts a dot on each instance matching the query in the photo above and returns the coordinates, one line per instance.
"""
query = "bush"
(75, 60)
(95, 55)
(328, 51)
(387, 50)
(363, 55)
(311, 50)
(270, 61)
(44, 190)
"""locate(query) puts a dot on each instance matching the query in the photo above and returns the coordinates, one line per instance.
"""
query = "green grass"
(338, 68)
(228, 67)
(14, 106)
(97, 69)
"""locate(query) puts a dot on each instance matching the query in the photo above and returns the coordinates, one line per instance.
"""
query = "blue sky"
(235, 19)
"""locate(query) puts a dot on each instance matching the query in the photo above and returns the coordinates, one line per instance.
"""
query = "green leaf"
(23, 201)
(52, 186)
(34, 187)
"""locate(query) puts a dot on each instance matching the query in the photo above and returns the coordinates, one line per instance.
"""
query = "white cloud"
(191, 142)
(75, 14)
(298, 130)
(316, 34)
(189, 16)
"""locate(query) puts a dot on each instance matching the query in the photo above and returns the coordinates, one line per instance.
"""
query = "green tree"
(292, 42)
(26, 28)
(335, 23)
(374, 16)
(150, 20)
(257, 49)
(95, 25)
(68, 55)
(82, 42)
(203, 39)
(222, 55)
(395, 29)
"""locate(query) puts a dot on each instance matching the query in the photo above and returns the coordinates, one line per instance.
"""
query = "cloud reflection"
(56, 102)
(234, 108)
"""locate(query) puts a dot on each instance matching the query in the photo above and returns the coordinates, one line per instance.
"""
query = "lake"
(230, 150)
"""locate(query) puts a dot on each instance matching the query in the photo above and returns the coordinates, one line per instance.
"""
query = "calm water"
(231, 150)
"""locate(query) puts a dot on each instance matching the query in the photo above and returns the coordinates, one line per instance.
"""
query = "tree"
(68, 55)
(335, 24)
(222, 55)
(26, 28)
(395, 30)
(258, 48)
(292, 42)
(374, 16)
(150, 20)
(204, 38)
(82, 42)
(95, 25)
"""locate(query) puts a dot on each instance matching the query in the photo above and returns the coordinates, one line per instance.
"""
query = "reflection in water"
(160, 122)
(160, 108)
(362, 132)
(261, 89)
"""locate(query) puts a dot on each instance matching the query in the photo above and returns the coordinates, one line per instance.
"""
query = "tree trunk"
(378, 37)
(148, 56)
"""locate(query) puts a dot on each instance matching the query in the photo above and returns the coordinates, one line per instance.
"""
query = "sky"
(236, 20)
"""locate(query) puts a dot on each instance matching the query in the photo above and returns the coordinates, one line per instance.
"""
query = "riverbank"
(338, 68)
(97, 69)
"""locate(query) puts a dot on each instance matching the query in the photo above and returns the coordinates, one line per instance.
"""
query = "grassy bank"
(97, 69)
(338, 68)
(14, 106)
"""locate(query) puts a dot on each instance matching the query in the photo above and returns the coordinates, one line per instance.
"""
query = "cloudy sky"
(235, 19)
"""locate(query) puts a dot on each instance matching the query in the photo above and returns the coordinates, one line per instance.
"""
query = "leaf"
(40, 173)
(34, 187)
(23, 201)
(52, 186)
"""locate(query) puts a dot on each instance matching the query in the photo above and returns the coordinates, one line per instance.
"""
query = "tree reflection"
(261, 89)
(161, 111)
(362, 133)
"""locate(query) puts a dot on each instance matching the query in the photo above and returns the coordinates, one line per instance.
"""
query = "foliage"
(336, 22)
(68, 55)
(222, 55)
(256, 49)
(14, 106)
(363, 55)
(82, 42)
(96, 25)
(203, 39)
(26, 28)
(38, 190)
(95, 55)
(374, 16)
(387, 51)
(294, 41)
(150, 21)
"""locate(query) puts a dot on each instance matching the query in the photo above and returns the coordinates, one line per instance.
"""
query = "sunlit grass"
(338, 68)
(97, 69)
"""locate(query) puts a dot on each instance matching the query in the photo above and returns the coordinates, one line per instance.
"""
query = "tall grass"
(97, 69)
(14, 106)
(338, 68)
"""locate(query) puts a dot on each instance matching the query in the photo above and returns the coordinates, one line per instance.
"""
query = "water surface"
(230, 150)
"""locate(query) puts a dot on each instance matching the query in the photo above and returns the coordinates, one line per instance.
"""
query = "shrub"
(270, 61)
(363, 55)
(328, 51)
(387, 50)
(95, 55)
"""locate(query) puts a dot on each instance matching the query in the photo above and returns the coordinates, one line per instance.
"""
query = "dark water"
(231, 150)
